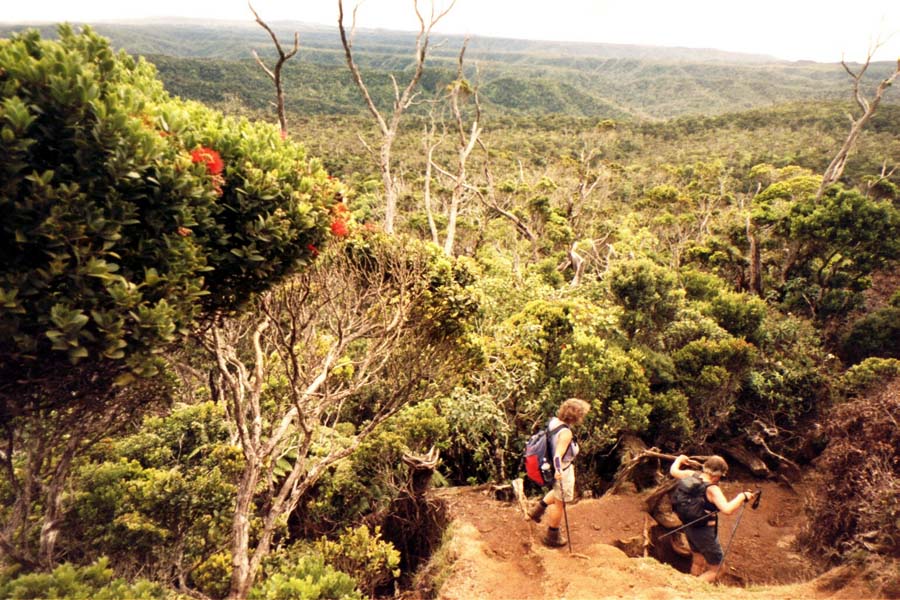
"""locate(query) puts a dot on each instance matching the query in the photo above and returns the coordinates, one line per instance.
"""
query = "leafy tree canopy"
(129, 214)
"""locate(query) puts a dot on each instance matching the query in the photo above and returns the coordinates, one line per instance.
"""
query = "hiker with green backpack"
(697, 499)
(563, 449)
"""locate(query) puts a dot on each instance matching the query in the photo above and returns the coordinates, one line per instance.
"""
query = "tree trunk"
(241, 574)
(387, 179)
(755, 264)
(50, 526)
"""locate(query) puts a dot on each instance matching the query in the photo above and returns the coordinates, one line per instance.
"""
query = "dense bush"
(875, 334)
(478, 436)
(370, 478)
(792, 375)
(857, 508)
(869, 376)
(612, 381)
(837, 241)
(306, 578)
(363, 555)
(168, 486)
(648, 292)
(94, 582)
(127, 213)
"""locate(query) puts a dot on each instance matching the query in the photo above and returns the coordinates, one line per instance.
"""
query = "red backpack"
(539, 456)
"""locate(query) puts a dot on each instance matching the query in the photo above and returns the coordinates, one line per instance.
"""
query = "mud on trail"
(496, 552)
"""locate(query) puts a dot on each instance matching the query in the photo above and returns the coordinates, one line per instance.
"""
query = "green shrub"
(741, 315)
(876, 334)
(127, 213)
(363, 555)
(213, 576)
(792, 374)
(839, 241)
(612, 381)
(689, 326)
(366, 481)
(170, 484)
(869, 375)
(648, 292)
(307, 578)
(94, 582)
(710, 374)
(478, 433)
(699, 285)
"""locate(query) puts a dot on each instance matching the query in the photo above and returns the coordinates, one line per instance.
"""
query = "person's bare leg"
(710, 574)
(698, 565)
(554, 513)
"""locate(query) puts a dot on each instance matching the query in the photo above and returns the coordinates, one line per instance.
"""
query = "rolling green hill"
(212, 62)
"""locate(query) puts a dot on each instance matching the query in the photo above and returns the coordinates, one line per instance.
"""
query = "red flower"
(339, 227)
(183, 231)
(339, 209)
(210, 158)
(312, 250)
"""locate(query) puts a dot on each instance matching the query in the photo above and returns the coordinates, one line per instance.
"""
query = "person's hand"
(558, 475)
(748, 496)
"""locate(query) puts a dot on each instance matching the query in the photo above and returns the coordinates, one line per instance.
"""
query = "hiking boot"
(536, 513)
(554, 539)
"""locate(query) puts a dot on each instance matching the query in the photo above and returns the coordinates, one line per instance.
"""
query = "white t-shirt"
(571, 451)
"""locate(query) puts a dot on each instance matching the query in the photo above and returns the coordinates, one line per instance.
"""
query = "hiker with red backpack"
(697, 499)
(563, 448)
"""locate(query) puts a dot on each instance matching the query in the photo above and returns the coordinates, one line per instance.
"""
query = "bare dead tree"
(491, 201)
(467, 139)
(389, 125)
(430, 142)
(578, 264)
(289, 368)
(836, 167)
(592, 174)
(275, 74)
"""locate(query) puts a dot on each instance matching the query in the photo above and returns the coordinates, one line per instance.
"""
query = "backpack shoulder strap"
(551, 432)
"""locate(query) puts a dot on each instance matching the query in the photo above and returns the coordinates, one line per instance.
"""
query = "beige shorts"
(568, 484)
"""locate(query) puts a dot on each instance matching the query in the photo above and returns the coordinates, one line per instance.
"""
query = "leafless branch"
(388, 126)
(836, 167)
(275, 75)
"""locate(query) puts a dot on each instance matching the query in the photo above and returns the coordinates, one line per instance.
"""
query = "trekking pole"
(677, 529)
(754, 506)
(562, 496)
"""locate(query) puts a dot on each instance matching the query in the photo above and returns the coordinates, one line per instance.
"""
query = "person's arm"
(562, 444)
(676, 471)
(715, 495)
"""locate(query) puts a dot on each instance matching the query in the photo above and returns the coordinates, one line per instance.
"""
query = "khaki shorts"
(568, 483)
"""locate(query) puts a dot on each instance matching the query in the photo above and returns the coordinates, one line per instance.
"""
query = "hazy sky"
(822, 30)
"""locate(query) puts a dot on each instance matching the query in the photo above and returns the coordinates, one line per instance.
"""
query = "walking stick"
(754, 506)
(677, 529)
(562, 496)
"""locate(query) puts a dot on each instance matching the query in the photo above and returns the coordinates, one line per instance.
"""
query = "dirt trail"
(498, 555)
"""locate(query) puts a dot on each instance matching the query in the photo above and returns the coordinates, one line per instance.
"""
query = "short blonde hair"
(572, 411)
(716, 465)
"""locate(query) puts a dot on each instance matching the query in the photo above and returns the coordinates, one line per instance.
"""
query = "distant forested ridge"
(212, 63)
